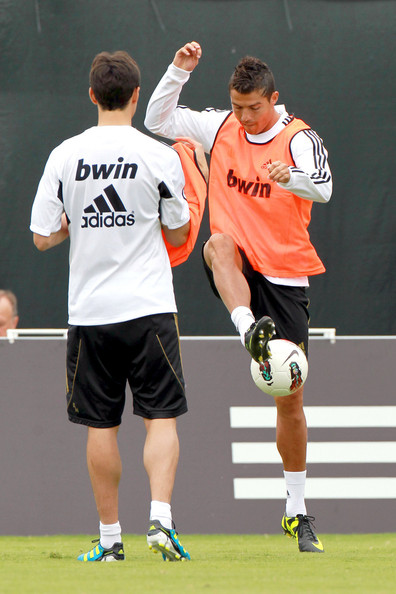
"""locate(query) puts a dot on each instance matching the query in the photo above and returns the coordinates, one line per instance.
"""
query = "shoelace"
(305, 526)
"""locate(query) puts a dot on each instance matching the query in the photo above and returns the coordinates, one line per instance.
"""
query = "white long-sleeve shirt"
(310, 178)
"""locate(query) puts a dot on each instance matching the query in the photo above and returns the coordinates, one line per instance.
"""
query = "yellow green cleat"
(300, 528)
(257, 338)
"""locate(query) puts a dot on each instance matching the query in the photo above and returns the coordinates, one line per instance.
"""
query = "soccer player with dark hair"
(267, 168)
(115, 192)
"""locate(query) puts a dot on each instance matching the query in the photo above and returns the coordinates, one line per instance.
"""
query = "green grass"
(220, 564)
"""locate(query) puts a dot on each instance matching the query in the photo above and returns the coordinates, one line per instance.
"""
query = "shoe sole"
(265, 336)
(104, 559)
(165, 547)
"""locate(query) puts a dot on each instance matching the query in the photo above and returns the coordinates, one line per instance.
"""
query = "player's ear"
(92, 96)
(274, 97)
(135, 95)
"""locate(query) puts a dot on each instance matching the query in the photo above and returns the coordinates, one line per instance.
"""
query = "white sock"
(161, 511)
(109, 534)
(295, 485)
(243, 318)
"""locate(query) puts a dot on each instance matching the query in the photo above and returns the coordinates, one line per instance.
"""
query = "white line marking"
(318, 488)
(317, 416)
(349, 452)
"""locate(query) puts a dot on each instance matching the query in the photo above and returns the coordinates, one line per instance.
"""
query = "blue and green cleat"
(98, 553)
(166, 542)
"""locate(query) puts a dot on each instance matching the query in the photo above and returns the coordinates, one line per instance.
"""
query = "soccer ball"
(284, 372)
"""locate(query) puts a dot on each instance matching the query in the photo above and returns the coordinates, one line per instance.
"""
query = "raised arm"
(166, 118)
(161, 115)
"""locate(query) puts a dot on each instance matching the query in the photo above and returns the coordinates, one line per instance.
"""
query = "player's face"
(255, 112)
(7, 319)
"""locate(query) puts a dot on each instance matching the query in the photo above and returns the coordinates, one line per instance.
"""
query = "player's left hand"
(279, 172)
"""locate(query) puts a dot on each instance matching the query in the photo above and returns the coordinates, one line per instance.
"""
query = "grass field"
(220, 564)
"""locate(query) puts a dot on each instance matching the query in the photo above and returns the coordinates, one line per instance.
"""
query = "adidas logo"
(265, 165)
(103, 212)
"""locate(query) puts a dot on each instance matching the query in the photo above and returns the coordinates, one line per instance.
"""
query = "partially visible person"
(8, 311)
(115, 192)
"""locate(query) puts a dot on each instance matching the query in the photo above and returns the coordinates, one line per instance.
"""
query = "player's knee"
(220, 246)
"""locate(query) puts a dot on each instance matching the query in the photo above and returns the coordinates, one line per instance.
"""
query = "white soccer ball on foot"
(284, 372)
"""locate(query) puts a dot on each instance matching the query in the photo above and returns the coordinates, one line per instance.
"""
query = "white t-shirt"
(115, 185)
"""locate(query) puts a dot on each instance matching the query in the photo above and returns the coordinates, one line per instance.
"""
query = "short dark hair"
(251, 74)
(113, 78)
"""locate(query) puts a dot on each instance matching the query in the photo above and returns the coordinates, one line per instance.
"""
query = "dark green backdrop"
(334, 63)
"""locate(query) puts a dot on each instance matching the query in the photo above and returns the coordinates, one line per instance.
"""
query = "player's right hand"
(199, 154)
(187, 57)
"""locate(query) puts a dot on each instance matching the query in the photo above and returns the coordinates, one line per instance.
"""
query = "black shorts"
(101, 359)
(287, 306)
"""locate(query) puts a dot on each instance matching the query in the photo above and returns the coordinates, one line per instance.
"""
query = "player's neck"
(118, 117)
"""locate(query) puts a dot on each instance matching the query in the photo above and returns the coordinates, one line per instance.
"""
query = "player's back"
(109, 183)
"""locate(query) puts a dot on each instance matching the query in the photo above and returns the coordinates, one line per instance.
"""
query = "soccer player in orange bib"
(267, 168)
